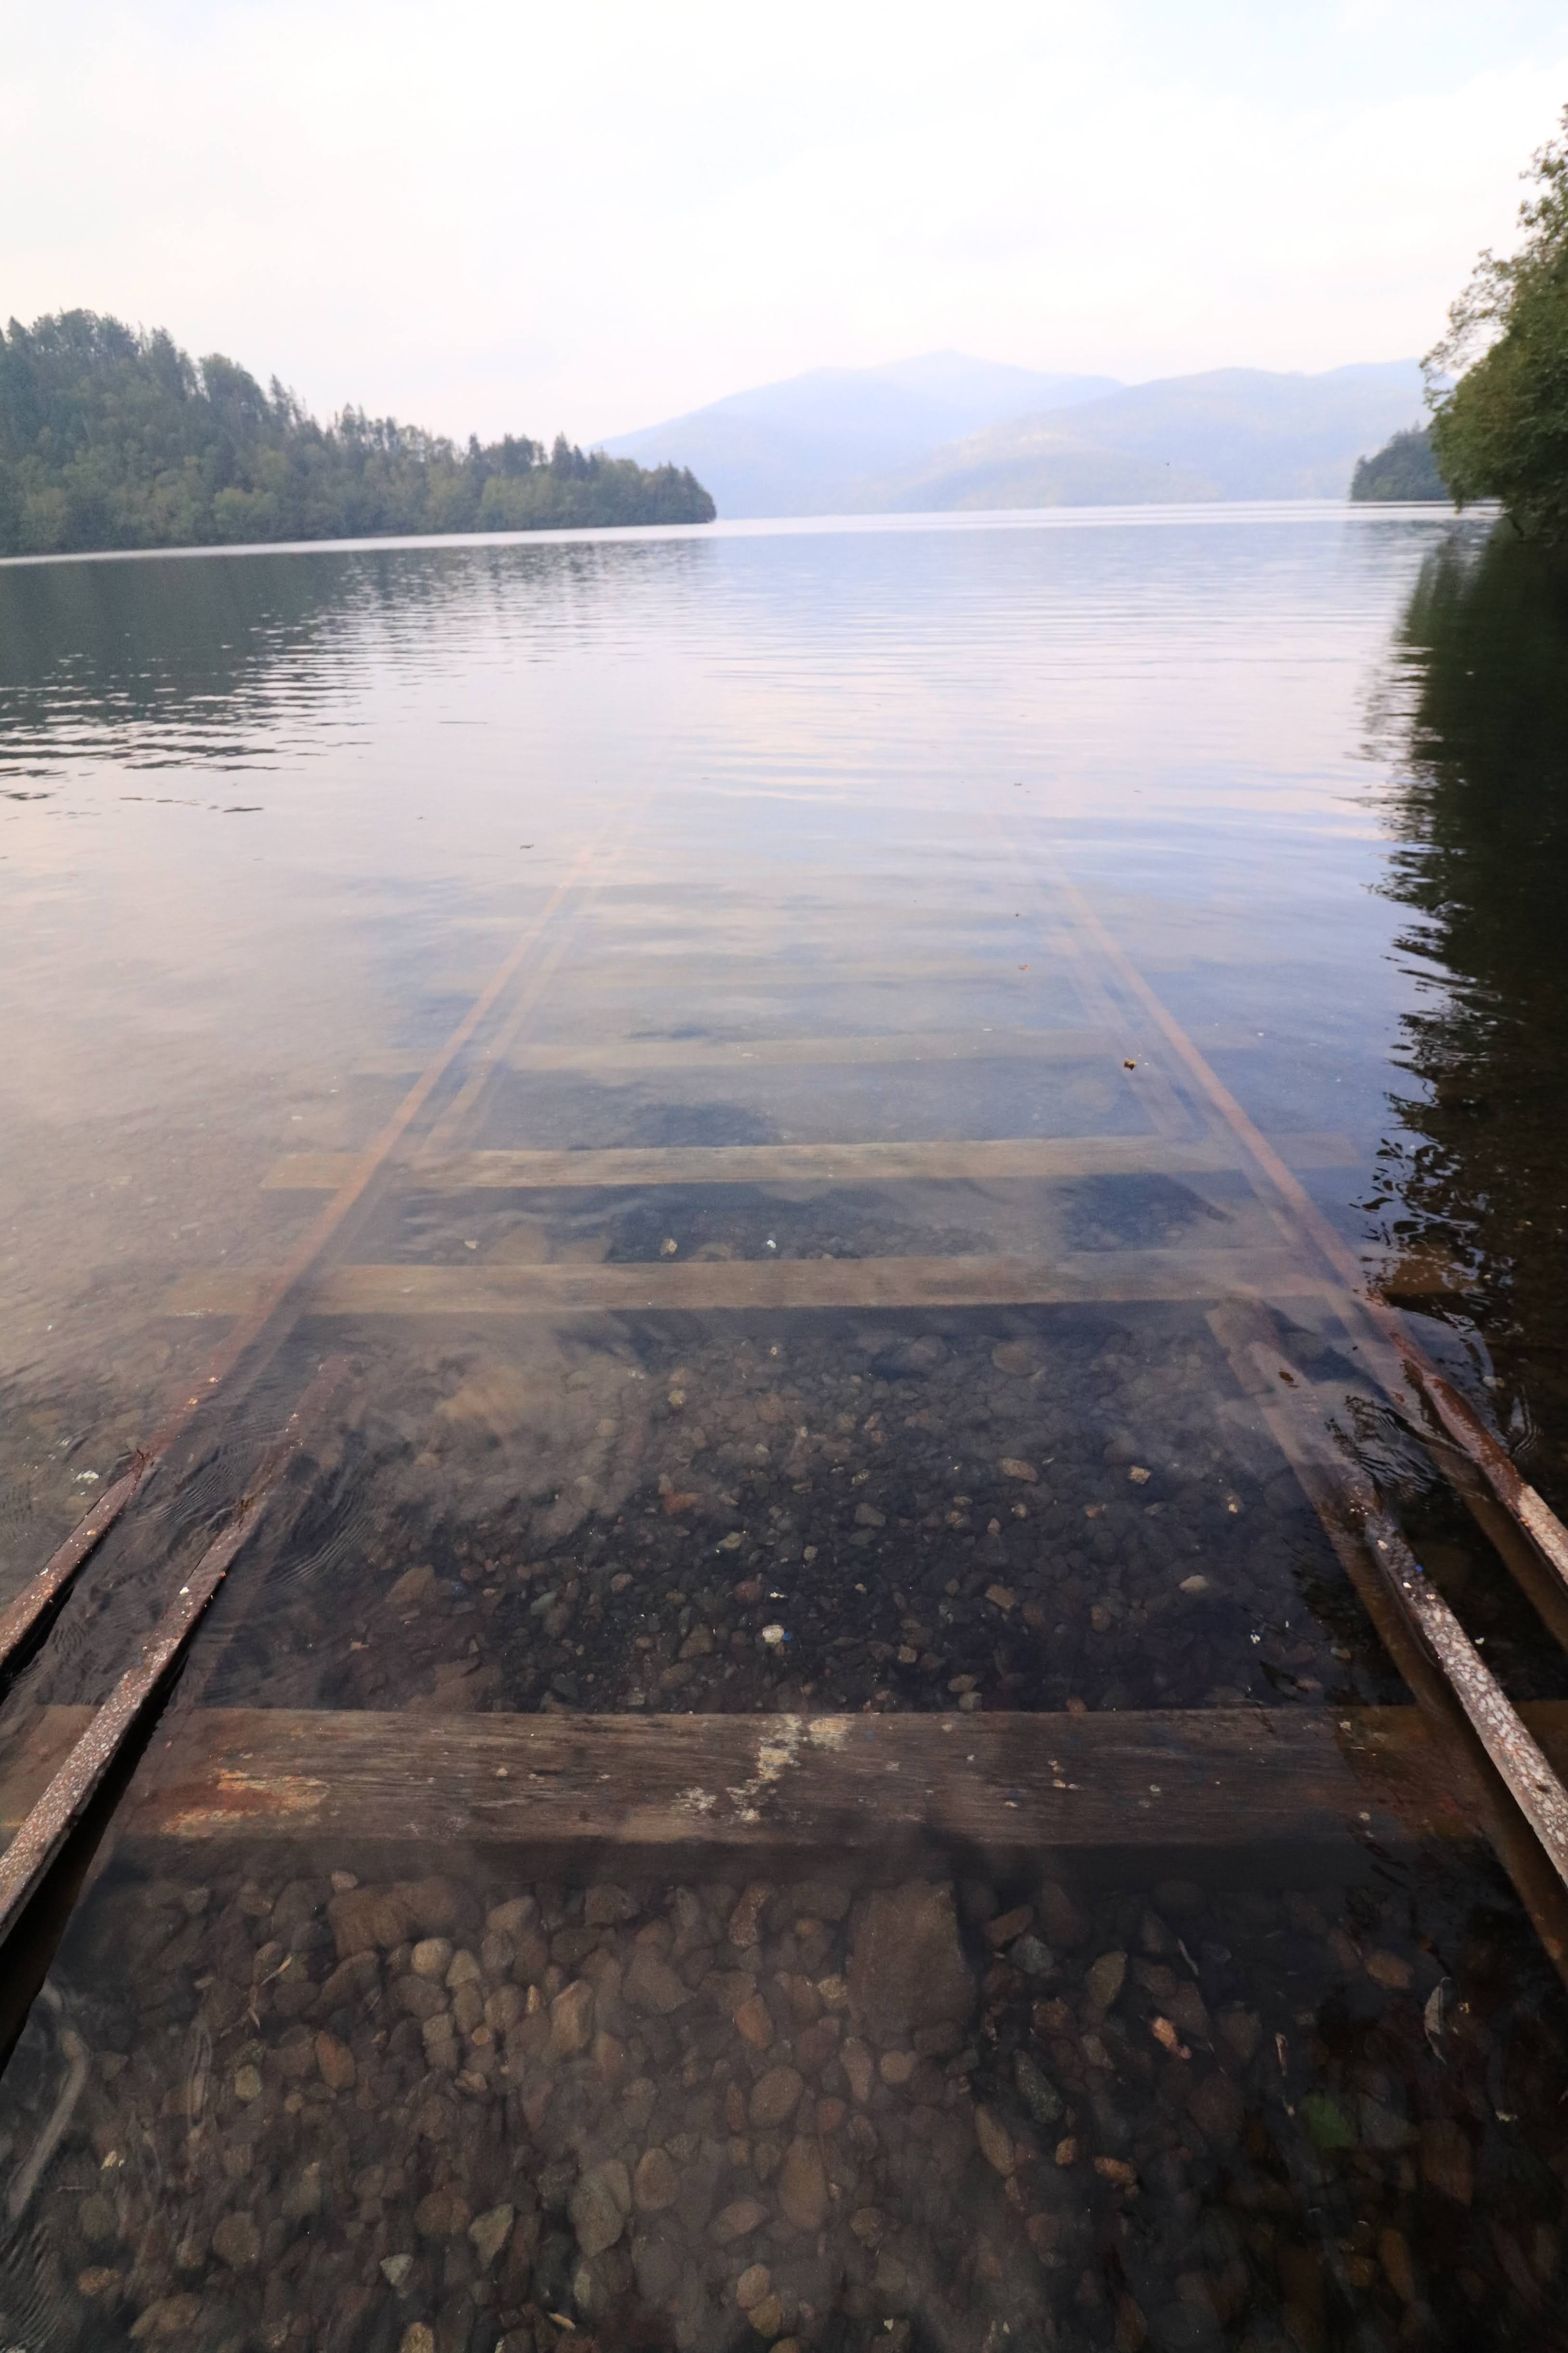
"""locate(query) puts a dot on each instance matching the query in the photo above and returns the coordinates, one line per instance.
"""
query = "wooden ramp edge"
(1001, 1789)
(1060, 1045)
(997, 1044)
(991, 1161)
(1089, 1278)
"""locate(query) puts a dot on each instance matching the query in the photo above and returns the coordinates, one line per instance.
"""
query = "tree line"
(110, 437)
(1499, 379)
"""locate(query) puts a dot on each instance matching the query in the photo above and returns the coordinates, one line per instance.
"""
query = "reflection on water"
(1480, 813)
(798, 1301)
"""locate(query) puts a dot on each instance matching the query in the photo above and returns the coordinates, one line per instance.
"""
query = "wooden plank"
(1008, 1787)
(1075, 1045)
(1042, 1158)
(1090, 1278)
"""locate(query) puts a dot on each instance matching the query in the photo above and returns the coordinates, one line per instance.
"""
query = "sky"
(496, 214)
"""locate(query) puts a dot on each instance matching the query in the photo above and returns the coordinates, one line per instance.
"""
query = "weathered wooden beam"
(1090, 1278)
(1063, 1045)
(1005, 1790)
(1041, 1158)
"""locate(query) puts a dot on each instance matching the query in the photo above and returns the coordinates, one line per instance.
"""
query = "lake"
(733, 1079)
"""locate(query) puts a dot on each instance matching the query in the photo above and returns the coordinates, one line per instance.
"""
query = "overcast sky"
(597, 214)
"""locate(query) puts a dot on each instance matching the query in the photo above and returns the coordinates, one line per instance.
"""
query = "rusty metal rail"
(1528, 1810)
(62, 1805)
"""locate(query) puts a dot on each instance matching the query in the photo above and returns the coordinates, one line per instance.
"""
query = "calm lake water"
(816, 847)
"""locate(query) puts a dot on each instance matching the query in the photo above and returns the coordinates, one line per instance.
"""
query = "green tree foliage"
(113, 438)
(1500, 430)
(1402, 469)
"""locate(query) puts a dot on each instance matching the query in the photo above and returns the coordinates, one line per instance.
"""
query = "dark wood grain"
(1001, 1789)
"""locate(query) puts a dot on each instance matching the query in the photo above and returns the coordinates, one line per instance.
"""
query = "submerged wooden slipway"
(163, 1722)
(895, 1790)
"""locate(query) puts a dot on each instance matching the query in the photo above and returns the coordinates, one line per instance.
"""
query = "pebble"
(1388, 1971)
(995, 2141)
(651, 1985)
(236, 2241)
(858, 2067)
(737, 2220)
(600, 2205)
(607, 1906)
(744, 1930)
(1037, 2091)
(656, 2184)
(336, 2062)
(443, 2214)
(906, 1964)
(489, 2232)
(754, 2019)
(1008, 1925)
(754, 2284)
(1105, 1979)
(803, 2186)
(572, 2019)
(776, 2097)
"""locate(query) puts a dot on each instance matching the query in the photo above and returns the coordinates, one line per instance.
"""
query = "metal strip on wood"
(37, 1597)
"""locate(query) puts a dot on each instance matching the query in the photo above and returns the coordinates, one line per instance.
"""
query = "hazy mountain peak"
(943, 430)
(801, 445)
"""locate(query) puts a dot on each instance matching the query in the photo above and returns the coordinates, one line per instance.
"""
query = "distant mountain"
(811, 444)
(1233, 433)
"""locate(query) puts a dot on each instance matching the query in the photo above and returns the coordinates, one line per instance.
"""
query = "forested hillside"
(1403, 469)
(112, 438)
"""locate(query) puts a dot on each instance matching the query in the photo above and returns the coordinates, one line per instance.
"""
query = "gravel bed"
(979, 1510)
(448, 2116)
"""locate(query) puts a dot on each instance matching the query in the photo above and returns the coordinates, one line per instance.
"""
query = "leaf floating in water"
(1327, 2126)
(1434, 2017)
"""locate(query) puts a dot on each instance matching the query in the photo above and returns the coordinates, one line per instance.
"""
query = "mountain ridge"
(796, 446)
(847, 441)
